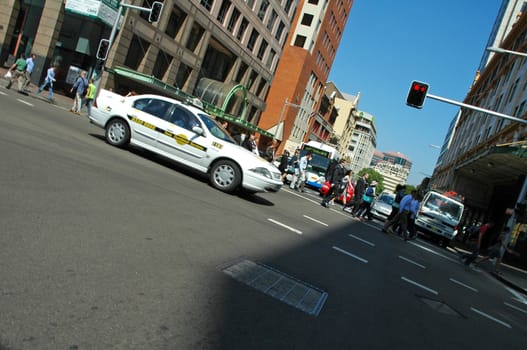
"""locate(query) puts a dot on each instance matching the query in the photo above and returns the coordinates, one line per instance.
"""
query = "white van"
(439, 215)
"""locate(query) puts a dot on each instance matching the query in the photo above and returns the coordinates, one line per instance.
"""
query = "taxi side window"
(183, 118)
(155, 107)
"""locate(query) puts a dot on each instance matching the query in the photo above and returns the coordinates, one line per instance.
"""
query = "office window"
(252, 39)
(263, 9)
(136, 52)
(225, 5)
(279, 31)
(250, 3)
(182, 75)
(177, 17)
(261, 50)
(242, 29)
(314, 2)
(270, 58)
(272, 20)
(241, 72)
(163, 60)
(234, 18)
(300, 40)
(307, 19)
(287, 6)
(196, 33)
(207, 4)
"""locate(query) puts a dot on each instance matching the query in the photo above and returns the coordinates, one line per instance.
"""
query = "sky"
(387, 44)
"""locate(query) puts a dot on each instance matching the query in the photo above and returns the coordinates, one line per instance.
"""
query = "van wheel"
(225, 175)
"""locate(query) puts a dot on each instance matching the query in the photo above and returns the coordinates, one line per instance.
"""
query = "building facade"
(363, 142)
(298, 108)
(486, 158)
(196, 46)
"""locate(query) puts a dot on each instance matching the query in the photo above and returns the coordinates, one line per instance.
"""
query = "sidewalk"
(511, 276)
(59, 99)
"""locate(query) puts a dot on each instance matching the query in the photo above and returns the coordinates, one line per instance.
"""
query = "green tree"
(373, 176)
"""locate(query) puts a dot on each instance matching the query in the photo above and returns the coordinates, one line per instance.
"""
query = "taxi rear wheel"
(117, 133)
(225, 175)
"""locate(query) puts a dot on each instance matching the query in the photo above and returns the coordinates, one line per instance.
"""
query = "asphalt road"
(103, 248)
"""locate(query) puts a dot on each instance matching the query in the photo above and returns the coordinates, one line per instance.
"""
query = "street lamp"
(500, 50)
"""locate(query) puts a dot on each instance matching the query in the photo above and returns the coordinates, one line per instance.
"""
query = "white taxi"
(185, 134)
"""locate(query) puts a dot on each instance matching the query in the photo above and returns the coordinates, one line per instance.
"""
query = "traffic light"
(417, 94)
(102, 51)
(155, 11)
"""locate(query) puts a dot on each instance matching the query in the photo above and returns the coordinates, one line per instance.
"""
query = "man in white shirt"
(302, 166)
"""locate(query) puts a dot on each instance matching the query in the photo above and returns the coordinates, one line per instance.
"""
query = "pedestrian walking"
(363, 211)
(484, 231)
(408, 208)
(360, 187)
(336, 183)
(250, 143)
(17, 71)
(399, 194)
(270, 151)
(30, 64)
(293, 163)
(90, 95)
(348, 180)
(284, 163)
(302, 167)
(498, 249)
(48, 81)
(80, 86)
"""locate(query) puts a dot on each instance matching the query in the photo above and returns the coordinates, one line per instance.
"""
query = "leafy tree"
(373, 175)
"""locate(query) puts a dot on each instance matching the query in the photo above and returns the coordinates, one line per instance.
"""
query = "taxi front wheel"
(225, 175)
(117, 133)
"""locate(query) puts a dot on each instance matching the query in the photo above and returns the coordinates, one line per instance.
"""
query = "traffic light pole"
(111, 39)
(479, 109)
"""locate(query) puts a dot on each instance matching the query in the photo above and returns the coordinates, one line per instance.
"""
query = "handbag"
(8, 75)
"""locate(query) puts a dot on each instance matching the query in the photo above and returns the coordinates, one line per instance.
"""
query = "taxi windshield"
(215, 128)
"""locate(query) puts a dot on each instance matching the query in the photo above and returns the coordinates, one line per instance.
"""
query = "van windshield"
(445, 206)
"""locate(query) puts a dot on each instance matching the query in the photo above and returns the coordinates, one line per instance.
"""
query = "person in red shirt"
(483, 230)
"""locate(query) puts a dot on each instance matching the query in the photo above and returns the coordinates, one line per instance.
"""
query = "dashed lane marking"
(285, 226)
(350, 254)
(25, 102)
(505, 324)
(515, 307)
(433, 252)
(315, 220)
(419, 285)
(412, 262)
(463, 285)
(362, 240)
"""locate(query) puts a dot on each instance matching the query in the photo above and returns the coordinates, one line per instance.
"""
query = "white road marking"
(490, 317)
(463, 285)
(24, 102)
(433, 252)
(515, 307)
(350, 254)
(315, 220)
(419, 285)
(3, 93)
(285, 226)
(412, 262)
(362, 240)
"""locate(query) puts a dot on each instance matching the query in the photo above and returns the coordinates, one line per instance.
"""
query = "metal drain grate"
(279, 285)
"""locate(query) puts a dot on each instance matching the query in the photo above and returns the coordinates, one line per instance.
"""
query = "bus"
(322, 154)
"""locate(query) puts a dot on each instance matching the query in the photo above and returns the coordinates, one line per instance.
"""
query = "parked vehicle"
(382, 205)
(185, 134)
(439, 215)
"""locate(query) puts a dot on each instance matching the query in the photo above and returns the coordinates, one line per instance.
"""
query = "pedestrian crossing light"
(417, 94)
(102, 51)
(155, 11)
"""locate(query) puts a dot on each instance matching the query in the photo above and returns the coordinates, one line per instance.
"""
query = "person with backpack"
(364, 208)
(336, 183)
(80, 86)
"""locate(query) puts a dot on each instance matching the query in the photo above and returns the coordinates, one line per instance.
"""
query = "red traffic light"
(417, 94)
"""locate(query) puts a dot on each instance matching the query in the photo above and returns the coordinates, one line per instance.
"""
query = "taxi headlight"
(262, 171)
